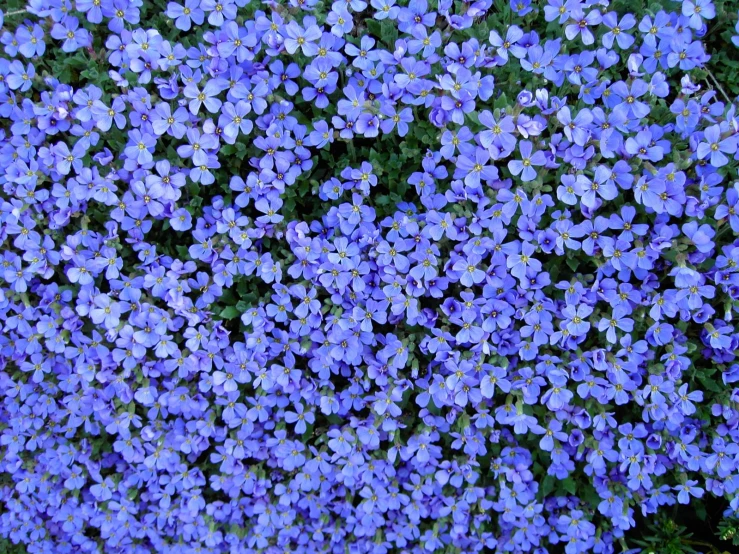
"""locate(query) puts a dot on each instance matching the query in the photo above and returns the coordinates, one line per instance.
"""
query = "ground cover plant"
(369, 276)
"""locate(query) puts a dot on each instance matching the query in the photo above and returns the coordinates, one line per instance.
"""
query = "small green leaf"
(547, 486)
(569, 485)
(230, 313)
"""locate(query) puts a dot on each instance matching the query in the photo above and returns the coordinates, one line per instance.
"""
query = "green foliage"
(728, 530)
(666, 536)
(7, 547)
(723, 69)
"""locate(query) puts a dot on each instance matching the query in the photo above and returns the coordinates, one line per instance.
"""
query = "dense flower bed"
(363, 277)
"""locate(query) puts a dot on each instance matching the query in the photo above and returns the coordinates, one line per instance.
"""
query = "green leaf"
(230, 313)
(389, 33)
(700, 511)
(569, 485)
(90, 73)
(374, 27)
(710, 384)
(573, 263)
(547, 486)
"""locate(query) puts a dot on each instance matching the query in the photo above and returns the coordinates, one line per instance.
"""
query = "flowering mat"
(369, 277)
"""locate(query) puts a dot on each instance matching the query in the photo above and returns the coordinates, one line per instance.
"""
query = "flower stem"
(718, 85)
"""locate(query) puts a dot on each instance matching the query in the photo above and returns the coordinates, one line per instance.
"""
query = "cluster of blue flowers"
(533, 345)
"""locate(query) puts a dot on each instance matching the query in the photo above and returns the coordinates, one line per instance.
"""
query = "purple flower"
(508, 44)
(164, 121)
(559, 9)
(284, 76)
(697, 11)
(140, 147)
(631, 106)
(475, 170)
(340, 20)
(19, 77)
(207, 96)
(716, 147)
(393, 118)
(576, 319)
(73, 36)
(521, 7)
(687, 490)
(577, 129)
(223, 287)
(321, 135)
(368, 125)
(643, 147)
(198, 144)
(529, 159)
(580, 23)
(499, 134)
(304, 39)
(31, 41)
(617, 30)
(233, 120)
